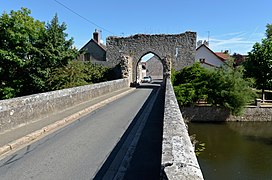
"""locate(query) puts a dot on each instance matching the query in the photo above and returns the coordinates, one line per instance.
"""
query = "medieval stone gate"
(173, 50)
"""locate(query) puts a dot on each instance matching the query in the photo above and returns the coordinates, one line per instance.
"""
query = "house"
(238, 59)
(143, 70)
(154, 68)
(210, 59)
(93, 50)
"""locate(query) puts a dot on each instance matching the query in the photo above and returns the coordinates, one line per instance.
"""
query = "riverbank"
(216, 114)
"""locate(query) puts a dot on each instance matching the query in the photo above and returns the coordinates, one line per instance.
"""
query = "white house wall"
(210, 58)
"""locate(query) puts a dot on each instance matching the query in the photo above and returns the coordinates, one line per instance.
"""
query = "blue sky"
(233, 25)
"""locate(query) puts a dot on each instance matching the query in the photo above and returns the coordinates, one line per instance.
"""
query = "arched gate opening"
(149, 65)
(177, 50)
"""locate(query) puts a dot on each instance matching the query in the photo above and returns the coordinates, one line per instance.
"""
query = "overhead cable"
(89, 21)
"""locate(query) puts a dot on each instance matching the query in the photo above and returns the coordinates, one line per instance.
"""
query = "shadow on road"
(146, 160)
(154, 83)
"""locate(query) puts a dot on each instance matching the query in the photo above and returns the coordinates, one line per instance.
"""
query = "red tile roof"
(222, 55)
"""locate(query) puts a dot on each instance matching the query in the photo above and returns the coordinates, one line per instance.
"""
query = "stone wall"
(215, 114)
(178, 158)
(22, 110)
(180, 48)
(154, 68)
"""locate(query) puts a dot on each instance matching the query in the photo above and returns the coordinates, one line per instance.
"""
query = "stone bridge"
(29, 123)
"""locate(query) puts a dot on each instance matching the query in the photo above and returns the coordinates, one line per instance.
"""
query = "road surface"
(78, 150)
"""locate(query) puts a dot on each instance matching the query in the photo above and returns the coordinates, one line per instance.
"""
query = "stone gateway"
(173, 50)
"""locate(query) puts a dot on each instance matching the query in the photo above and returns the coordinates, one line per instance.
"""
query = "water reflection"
(236, 150)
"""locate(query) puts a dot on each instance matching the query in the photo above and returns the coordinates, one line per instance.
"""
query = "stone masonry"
(179, 49)
(217, 114)
(26, 109)
(178, 158)
(154, 68)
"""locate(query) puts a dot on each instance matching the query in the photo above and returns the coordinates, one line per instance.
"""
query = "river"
(235, 150)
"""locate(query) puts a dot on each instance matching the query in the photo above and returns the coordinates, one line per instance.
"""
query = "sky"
(233, 25)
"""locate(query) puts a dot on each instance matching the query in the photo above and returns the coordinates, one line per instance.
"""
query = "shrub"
(223, 87)
(185, 94)
(227, 88)
(77, 73)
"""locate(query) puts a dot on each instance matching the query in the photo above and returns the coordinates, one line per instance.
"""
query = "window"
(202, 60)
(87, 57)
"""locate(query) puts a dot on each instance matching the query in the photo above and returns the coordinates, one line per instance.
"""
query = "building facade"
(93, 50)
(210, 59)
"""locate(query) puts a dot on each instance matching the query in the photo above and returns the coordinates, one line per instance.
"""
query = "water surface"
(235, 150)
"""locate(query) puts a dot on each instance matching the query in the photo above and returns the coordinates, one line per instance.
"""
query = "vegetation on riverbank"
(228, 87)
(223, 87)
(259, 62)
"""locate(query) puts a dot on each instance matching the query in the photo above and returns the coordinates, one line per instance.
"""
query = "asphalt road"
(79, 150)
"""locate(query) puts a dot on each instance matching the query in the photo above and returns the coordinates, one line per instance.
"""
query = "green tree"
(58, 50)
(77, 73)
(223, 87)
(68, 76)
(96, 73)
(195, 77)
(269, 31)
(29, 51)
(185, 94)
(18, 35)
(259, 64)
(54, 52)
(227, 88)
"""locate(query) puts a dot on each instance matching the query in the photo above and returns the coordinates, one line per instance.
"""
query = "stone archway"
(174, 50)
(166, 63)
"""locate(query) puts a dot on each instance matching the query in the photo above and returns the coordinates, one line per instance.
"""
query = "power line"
(89, 21)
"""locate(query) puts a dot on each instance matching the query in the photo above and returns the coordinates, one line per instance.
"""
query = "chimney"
(206, 43)
(96, 36)
(199, 43)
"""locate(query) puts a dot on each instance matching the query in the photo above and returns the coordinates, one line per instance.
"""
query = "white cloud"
(239, 42)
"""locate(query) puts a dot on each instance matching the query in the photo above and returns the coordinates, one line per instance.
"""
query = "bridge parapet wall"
(22, 110)
(178, 158)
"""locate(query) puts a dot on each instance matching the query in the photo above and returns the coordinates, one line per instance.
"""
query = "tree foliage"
(259, 64)
(227, 88)
(77, 73)
(54, 52)
(192, 81)
(18, 35)
(268, 31)
(29, 51)
(224, 87)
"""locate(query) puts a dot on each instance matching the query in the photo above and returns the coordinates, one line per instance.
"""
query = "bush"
(224, 87)
(228, 89)
(185, 94)
(77, 73)
(191, 81)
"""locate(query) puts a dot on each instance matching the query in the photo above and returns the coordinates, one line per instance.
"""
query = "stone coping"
(22, 110)
(178, 158)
